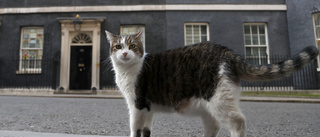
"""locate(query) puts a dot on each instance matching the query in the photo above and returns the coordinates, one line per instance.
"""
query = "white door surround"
(90, 26)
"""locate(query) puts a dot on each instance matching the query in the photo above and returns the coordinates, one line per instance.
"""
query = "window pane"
(203, 38)
(246, 29)
(262, 40)
(248, 51)
(317, 19)
(250, 55)
(261, 29)
(31, 54)
(254, 29)
(255, 51)
(318, 32)
(196, 39)
(248, 39)
(204, 29)
(32, 43)
(196, 30)
(255, 40)
(25, 43)
(263, 55)
(188, 29)
(130, 29)
(189, 39)
(189, 42)
(263, 51)
(32, 38)
(317, 25)
(255, 56)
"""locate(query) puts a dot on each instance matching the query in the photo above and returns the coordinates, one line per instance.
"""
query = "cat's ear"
(110, 36)
(138, 35)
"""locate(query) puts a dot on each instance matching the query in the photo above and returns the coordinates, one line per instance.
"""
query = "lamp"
(77, 23)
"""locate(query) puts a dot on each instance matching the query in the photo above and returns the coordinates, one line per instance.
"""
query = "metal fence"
(43, 74)
(28, 74)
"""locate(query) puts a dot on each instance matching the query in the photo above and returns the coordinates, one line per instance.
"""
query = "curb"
(279, 99)
(243, 98)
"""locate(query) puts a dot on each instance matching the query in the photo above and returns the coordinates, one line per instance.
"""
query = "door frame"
(67, 27)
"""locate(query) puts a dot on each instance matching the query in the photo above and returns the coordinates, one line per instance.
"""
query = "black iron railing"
(38, 74)
(28, 74)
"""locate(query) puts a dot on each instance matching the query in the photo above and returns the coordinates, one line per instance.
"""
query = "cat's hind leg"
(224, 107)
(212, 126)
(147, 125)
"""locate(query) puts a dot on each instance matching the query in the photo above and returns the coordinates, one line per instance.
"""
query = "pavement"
(39, 134)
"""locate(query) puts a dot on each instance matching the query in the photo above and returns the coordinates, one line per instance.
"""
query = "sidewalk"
(38, 134)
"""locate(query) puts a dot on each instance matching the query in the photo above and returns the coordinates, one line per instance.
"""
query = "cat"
(202, 79)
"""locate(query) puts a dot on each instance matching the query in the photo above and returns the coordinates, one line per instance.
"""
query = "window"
(256, 42)
(316, 18)
(133, 29)
(31, 50)
(195, 33)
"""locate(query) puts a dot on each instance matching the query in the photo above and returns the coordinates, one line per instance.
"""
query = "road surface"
(109, 117)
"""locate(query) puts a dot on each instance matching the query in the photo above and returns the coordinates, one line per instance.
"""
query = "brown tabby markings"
(129, 40)
(138, 49)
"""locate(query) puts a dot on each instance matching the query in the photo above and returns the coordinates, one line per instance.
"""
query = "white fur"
(221, 109)
(224, 108)
(126, 78)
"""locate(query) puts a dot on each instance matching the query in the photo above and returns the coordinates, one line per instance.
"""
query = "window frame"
(317, 40)
(28, 70)
(199, 24)
(259, 41)
(142, 27)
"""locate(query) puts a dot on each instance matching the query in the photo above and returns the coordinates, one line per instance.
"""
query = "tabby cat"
(199, 80)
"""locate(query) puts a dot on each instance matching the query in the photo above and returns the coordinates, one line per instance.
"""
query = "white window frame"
(200, 35)
(317, 40)
(29, 70)
(138, 28)
(257, 46)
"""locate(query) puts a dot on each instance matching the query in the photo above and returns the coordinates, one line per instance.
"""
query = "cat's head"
(125, 49)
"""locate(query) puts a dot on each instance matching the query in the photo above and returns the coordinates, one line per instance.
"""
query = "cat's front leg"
(137, 121)
(147, 124)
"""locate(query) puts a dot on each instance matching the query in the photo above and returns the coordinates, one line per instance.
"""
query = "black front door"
(80, 67)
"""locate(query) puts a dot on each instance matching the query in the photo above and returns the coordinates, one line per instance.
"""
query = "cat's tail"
(278, 70)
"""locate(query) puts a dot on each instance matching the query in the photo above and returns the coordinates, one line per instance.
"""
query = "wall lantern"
(77, 23)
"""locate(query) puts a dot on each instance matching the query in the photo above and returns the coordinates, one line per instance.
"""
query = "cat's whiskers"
(108, 64)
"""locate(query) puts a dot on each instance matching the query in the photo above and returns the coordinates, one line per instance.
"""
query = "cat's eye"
(132, 46)
(118, 47)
